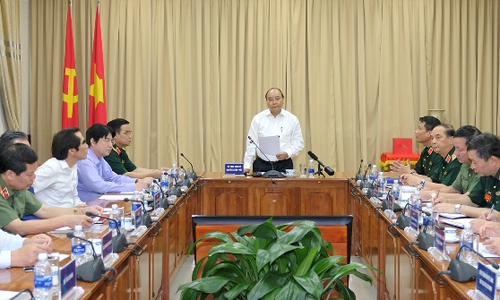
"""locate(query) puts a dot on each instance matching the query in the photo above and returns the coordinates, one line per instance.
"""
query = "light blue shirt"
(96, 178)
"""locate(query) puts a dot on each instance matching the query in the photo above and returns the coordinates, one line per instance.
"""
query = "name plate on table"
(107, 244)
(414, 219)
(68, 278)
(137, 215)
(390, 201)
(157, 198)
(233, 169)
(439, 239)
(486, 281)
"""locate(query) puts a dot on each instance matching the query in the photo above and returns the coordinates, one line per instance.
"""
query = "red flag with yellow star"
(97, 96)
(70, 87)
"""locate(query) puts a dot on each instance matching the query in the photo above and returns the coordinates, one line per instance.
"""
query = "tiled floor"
(362, 289)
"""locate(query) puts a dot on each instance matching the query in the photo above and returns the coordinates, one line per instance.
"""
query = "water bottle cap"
(381, 173)
(42, 256)
(310, 161)
(78, 227)
(114, 206)
(395, 181)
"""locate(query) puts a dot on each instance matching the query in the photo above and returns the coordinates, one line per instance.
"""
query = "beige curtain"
(190, 74)
(10, 62)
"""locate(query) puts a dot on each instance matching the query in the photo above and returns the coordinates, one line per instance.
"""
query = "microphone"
(403, 221)
(463, 272)
(328, 170)
(22, 292)
(89, 271)
(366, 171)
(425, 240)
(271, 173)
(146, 218)
(163, 201)
(192, 175)
(118, 240)
(358, 175)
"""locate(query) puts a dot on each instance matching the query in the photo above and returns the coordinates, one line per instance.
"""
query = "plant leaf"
(344, 292)
(189, 294)
(306, 263)
(245, 229)
(269, 256)
(266, 231)
(268, 283)
(272, 294)
(340, 271)
(231, 248)
(208, 285)
(311, 283)
(230, 269)
(291, 291)
(236, 291)
(326, 264)
(224, 237)
(297, 233)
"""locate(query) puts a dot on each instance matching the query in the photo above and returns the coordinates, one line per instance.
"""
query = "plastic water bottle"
(135, 206)
(43, 278)
(381, 183)
(417, 201)
(467, 238)
(373, 173)
(164, 182)
(175, 173)
(78, 246)
(310, 169)
(89, 254)
(114, 214)
(429, 220)
(395, 189)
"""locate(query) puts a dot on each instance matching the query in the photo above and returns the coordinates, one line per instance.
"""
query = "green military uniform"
(427, 161)
(447, 170)
(119, 161)
(487, 191)
(16, 204)
(466, 179)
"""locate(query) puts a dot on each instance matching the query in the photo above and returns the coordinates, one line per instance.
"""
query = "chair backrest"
(335, 229)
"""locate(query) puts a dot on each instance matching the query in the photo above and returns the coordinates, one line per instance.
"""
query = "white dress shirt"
(285, 125)
(8, 243)
(55, 184)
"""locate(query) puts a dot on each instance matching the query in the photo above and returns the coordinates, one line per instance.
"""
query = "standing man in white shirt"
(274, 121)
(56, 180)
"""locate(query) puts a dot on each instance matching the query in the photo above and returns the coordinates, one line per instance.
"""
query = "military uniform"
(466, 179)
(16, 204)
(447, 169)
(119, 161)
(427, 161)
(487, 191)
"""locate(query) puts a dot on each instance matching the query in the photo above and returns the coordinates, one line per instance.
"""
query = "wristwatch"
(457, 208)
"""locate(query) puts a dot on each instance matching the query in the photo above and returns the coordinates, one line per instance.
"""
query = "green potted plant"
(265, 261)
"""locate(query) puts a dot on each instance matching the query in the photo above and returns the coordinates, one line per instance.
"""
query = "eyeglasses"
(127, 133)
(111, 141)
(274, 99)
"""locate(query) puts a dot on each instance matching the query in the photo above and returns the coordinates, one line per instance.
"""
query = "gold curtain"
(190, 74)
(10, 62)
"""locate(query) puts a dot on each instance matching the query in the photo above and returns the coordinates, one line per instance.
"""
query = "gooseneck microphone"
(146, 218)
(358, 175)
(328, 170)
(463, 272)
(119, 241)
(193, 174)
(90, 271)
(271, 173)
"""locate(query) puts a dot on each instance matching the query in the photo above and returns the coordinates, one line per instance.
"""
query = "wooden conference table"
(408, 274)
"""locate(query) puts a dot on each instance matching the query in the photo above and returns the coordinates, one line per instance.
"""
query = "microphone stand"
(271, 173)
(320, 171)
(119, 240)
(146, 218)
(463, 272)
(90, 271)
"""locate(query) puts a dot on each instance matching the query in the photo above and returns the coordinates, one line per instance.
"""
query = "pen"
(491, 210)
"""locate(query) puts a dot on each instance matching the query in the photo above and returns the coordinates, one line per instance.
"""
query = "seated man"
(446, 169)
(56, 180)
(18, 163)
(13, 137)
(95, 177)
(118, 159)
(428, 157)
(21, 252)
(466, 178)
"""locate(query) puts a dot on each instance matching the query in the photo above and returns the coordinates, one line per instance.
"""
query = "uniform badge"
(487, 196)
(117, 150)
(445, 172)
(430, 163)
(448, 158)
(497, 193)
(453, 157)
(5, 193)
(429, 152)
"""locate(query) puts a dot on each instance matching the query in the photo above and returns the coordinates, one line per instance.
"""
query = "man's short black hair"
(274, 88)
(115, 125)
(63, 141)
(467, 132)
(448, 129)
(486, 145)
(15, 157)
(9, 136)
(96, 132)
(429, 122)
